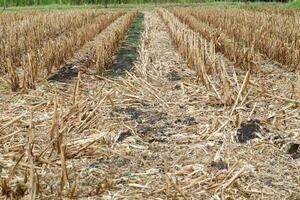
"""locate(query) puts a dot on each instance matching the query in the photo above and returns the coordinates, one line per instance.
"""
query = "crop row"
(274, 10)
(32, 34)
(242, 56)
(275, 36)
(7, 18)
(200, 55)
(97, 54)
(107, 44)
(39, 62)
(198, 52)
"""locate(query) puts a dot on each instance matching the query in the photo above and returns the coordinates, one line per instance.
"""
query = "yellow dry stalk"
(243, 57)
(30, 34)
(54, 129)
(29, 72)
(13, 78)
(54, 52)
(298, 86)
(272, 9)
(199, 54)
(66, 46)
(9, 18)
(274, 35)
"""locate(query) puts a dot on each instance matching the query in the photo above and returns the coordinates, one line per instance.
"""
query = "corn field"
(193, 102)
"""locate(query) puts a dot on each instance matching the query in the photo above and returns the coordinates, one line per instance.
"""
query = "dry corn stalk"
(274, 35)
(242, 56)
(13, 77)
(38, 58)
(18, 39)
(198, 52)
(54, 130)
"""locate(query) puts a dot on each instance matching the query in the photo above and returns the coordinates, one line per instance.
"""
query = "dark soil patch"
(293, 150)
(155, 117)
(141, 116)
(114, 161)
(127, 52)
(220, 165)
(188, 120)
(173, 76)
(65, 73)
(248, 131)
(149, 122)
(132, 112)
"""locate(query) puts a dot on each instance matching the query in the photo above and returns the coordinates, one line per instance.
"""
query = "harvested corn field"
(177, 103)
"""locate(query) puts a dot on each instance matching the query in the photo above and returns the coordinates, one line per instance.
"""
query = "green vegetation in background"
(16, 3)
(66, 4)
(296, 3)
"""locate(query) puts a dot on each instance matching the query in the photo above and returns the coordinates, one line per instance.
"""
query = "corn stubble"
(76, 133)
(9, 18)
(246, 34)
(45, 44)
(31, 34)
(96, 55)
(199, 53)
(198, 42)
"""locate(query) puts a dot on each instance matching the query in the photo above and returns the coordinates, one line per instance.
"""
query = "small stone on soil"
(177, 87)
